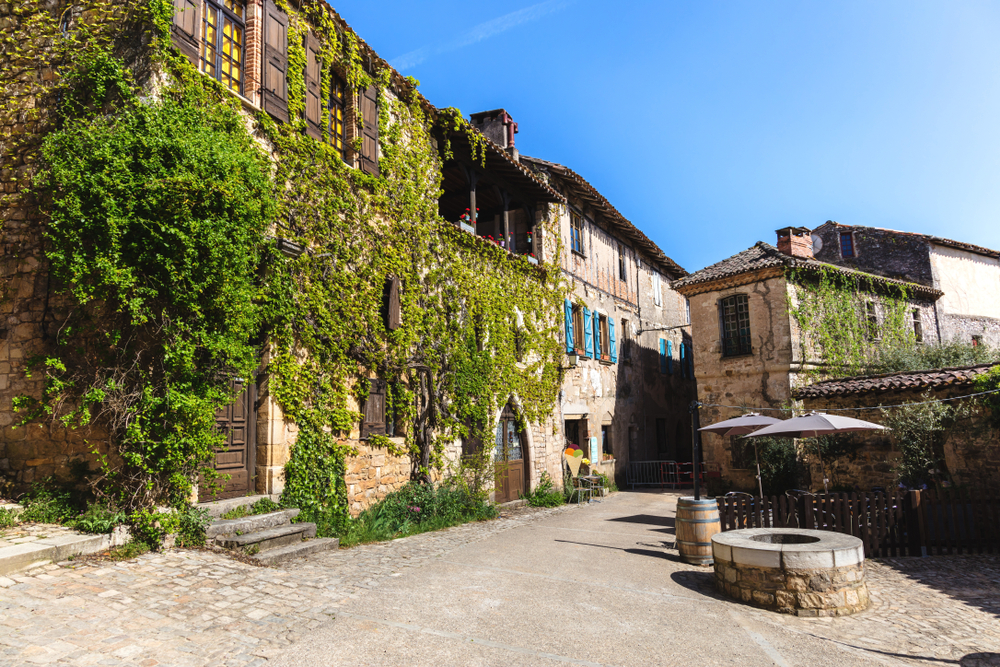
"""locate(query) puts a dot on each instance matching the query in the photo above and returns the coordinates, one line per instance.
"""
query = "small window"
(871, 321)
(735, 316)
(576, 233)
(622, 275)
(605, 338)
(918, 327)
(338, 98)
(626, 344)
(657, 290)
(687, 311)
(977, 341)
(846, 244)
(606, 447)
(578, 332)
(222, 48)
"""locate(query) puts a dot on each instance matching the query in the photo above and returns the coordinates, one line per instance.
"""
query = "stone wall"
(883, 252)
(372, 474)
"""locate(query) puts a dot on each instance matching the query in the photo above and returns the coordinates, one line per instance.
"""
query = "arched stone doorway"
(509, 455)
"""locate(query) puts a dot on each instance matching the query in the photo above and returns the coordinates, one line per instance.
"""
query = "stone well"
(804, 572)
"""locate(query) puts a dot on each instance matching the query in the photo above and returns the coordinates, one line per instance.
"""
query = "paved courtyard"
(595, 585)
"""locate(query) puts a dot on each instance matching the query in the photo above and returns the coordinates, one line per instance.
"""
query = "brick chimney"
(498, 127)
(795, 241)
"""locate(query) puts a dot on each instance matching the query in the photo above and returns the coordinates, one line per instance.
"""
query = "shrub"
(97, 518)
(8, 518)
(545, 494)
(262, 506)
(48, 504)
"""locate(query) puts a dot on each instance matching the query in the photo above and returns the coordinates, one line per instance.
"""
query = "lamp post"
(695, 446)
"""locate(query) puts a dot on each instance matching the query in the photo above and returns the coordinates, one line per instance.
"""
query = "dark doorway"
(572, 431)
(510, 468)
(236, 458)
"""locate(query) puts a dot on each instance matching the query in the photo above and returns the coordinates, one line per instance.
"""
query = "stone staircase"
(268, 538)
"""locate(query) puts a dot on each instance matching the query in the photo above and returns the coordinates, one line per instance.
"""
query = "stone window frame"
(742, 343)
(853, 244)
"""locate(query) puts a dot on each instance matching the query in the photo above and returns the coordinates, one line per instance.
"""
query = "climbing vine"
(847, 320)
(162, 206)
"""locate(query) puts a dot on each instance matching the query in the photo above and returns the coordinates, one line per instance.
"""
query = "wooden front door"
(236, 457)
(509, 459)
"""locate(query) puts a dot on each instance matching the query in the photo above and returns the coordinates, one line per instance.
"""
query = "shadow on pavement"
(638, 552)
(975, 580)
(980, 660)
(650, 520)
(702, 582)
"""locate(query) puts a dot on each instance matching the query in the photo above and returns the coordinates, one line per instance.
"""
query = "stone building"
(630, 379)
(751, 350)
(969, 447)
(967, 275)
(250, 58)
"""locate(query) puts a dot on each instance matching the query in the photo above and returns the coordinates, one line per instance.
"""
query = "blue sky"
(711, 123)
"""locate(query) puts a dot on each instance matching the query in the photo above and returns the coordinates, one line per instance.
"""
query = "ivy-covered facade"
(237, 214)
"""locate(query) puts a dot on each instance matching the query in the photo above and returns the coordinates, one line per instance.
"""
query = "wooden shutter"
(369, 143)
(570, 344)
(598, 349)
(373, 422)
(275, 61)
(395, 315)
(612, 341)
(663, 356)
(670, 357)
(588, 335)
(186, 30)
(314, 97)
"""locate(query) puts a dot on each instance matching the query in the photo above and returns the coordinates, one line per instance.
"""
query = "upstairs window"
(918, 327)
(578, 330)
(734, 313)
(871, 321)
(604, 337)
(621, 263)
(338, 102)
(687, 311)
(576, 233)
(846, 245)
(657, 290)
(222, 48)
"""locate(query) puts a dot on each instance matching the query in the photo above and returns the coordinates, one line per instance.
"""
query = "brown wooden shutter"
(373, 422)
(187, 27)
(314, 105)
(369, 145)
(395, 319)
(275, 61)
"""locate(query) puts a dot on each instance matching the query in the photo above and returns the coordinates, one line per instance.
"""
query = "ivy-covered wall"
(140, 214)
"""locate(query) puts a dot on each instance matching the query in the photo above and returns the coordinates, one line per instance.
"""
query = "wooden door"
(510, 469)
(236, 457)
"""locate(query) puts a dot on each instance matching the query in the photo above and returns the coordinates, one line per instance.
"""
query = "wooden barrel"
(697, 521)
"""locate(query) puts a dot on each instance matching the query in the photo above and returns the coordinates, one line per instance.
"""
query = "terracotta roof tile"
(942, 377)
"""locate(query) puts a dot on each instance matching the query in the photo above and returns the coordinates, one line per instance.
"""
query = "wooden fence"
(898, 523)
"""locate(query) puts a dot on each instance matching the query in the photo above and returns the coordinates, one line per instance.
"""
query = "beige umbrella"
(815, 424)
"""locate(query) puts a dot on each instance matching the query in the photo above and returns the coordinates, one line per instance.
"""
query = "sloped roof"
(764, 255)
(584, 190)
(959, 245)
(962, 376)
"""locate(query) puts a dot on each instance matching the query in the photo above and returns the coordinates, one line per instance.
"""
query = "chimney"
(498, 127)
(795, 241)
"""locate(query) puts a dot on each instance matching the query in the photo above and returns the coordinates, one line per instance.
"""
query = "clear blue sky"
(711, 123)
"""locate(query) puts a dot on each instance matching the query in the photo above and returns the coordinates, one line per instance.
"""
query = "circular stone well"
(804, 572)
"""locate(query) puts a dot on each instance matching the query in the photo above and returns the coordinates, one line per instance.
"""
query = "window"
(687, 311)
(222, 42)
(977, 341)
(337, 111)
(657, 289)
(871, 321)
(735, 316)
(373, 422)
(576, 233)
(846, 244)
(621, 263)
(579, 336)
(606, 448)
(918, 327)
(603, 337)
(626, 346)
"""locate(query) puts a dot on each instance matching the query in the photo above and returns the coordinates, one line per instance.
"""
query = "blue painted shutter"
(588, 335)
(597, 336)
(570, 348)
(663, 356)
(612, 341)
(684, 368)
(670, 357)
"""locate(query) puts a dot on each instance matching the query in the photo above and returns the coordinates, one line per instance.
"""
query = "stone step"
(249, 524)
(24, 556)
(219, 507)
(282, 554)
(270, 538)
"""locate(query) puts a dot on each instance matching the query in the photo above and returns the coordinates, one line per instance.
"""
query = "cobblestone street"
(197, 607)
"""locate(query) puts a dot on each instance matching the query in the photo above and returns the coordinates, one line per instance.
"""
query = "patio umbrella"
(742, 425)
(815, 424)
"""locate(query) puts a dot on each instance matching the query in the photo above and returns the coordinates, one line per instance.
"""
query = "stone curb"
(20, 557)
